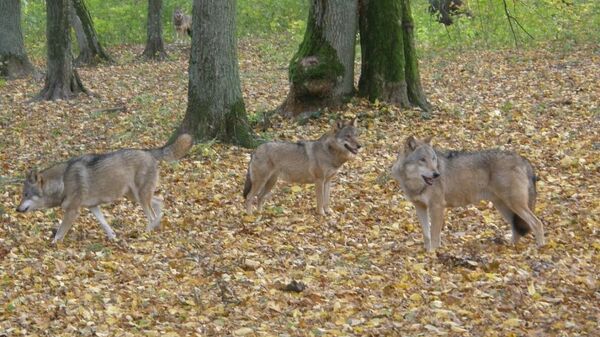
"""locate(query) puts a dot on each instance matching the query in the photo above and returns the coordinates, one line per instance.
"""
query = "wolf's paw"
(328, 211)
(540, 242)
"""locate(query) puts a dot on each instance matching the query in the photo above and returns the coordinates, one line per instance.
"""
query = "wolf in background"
(182, 23)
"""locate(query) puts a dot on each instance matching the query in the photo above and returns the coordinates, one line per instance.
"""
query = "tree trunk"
(90, 50)
(215, 104)
(321, 73)
(155, 48)
(389, 70)
(14, 62)
(62, 81)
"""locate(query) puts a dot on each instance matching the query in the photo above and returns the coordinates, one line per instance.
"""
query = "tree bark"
(14, 62)
(215, 104)
(62, 81)
(90, 49)
(155, 48)
(389, 70)
(321, 73)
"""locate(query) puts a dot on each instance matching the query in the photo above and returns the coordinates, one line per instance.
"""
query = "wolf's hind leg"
(518, 229)
(534, 223)
(266, 191)
(258, 184)
(103, 223)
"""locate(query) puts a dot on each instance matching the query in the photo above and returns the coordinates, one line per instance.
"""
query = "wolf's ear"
(40, 181)
(410, 143)
(428, 140)
(338, 125)
(353, 122)
(32, 176)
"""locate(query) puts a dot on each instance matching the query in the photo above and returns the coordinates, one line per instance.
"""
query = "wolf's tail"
(519, 224)
(175, 150)
(248, 183)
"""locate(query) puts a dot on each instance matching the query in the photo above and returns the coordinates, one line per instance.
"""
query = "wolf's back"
(175, 150)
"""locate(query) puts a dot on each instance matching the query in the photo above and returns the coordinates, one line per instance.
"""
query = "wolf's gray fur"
(307, 162)
(434, 179)
(94, 179)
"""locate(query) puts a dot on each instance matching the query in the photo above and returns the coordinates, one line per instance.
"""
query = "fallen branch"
(118, 108)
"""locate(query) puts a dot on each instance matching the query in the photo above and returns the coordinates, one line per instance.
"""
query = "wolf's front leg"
(436, 213)
(320, 189)
(157, 207)
(425, 226)
(326, 194)
(65, 225)
(103, 223)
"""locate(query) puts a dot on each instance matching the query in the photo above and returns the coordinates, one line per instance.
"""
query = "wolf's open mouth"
(355, 151)
(428, 180)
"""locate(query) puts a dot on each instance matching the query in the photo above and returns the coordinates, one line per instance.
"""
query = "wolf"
(95, 179)
(305, 162)
(435, 179)
(182, 23)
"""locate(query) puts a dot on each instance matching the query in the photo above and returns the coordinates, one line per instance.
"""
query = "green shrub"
(562, 22)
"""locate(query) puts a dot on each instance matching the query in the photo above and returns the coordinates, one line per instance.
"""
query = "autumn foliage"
(211, 270)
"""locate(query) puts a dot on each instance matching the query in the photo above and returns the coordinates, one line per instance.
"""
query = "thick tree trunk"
(62, 81)
(155, 48)
(14, 62)
(322, 71)
(90, 49)
(215, 104)
(389, 70)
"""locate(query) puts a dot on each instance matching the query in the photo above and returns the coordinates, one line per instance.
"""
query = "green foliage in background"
(562, 22)
(124, 21)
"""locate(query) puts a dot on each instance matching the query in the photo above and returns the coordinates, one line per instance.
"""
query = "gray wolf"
(305, 162)
(435, 179)
(182, 23)
(94, 179)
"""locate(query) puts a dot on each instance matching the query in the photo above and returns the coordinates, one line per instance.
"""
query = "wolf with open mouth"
(304, 162)
(435, 179)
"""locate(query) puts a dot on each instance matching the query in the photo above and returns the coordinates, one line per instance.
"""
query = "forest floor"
(211, 270)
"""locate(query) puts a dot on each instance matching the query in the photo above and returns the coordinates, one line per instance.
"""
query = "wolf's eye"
(422, 160)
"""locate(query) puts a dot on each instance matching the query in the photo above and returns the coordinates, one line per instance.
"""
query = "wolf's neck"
(338, 157)
(54, 186)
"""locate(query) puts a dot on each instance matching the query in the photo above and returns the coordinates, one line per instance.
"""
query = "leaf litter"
(212, 270)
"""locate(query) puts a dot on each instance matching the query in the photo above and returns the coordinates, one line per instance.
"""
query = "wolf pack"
(432, 179)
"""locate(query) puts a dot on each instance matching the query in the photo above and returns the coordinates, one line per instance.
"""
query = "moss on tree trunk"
(216, 108)
(389, 70)
(321, 72)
